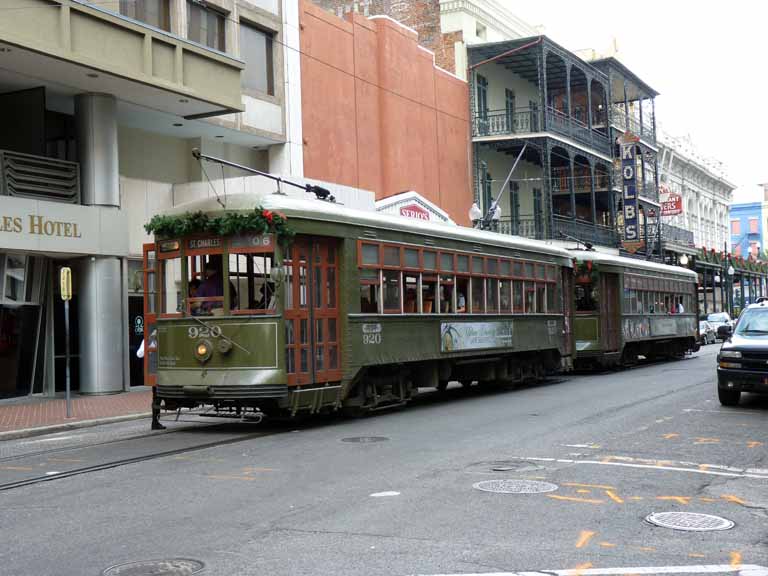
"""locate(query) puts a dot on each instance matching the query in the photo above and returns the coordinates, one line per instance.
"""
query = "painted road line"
(743, 570)
(707, 469)
(721, 411)
(384, 494)
(584, 538)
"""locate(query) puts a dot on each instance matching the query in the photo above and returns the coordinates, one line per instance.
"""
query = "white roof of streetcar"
(313, 209)
(633, 263)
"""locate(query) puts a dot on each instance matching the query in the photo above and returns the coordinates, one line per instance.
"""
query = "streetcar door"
(311, 315)
(609, 311)
(150, 314)
(567, 295)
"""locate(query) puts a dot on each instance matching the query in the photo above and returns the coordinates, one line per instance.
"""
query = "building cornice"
(492, 14)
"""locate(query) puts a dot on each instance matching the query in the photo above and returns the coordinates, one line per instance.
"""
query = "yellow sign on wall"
(66, 283)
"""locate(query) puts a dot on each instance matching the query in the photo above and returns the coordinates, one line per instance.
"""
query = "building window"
(482, 97)
(205, 26)
(735, 227)
(753, 225)
(256, 51)
(156, 13)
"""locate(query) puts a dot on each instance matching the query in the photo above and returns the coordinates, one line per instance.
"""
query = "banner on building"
(671, 203)
(628, 146)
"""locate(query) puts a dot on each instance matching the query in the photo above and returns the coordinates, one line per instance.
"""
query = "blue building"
(747, 229)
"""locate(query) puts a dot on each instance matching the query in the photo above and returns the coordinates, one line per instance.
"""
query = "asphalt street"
(312, 499)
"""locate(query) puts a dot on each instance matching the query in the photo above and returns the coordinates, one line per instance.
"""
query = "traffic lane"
(218, 501)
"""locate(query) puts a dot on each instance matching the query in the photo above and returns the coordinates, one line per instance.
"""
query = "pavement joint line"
(649, 570)
(741, 473)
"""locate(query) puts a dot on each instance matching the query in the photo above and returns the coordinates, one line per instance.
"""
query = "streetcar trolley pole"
(65, 279)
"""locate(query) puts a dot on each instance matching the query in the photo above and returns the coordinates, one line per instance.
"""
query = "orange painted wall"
(377, 113)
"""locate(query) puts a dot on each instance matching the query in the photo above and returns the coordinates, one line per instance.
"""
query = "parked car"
(742, 363)
(707, 333)
(718, 320)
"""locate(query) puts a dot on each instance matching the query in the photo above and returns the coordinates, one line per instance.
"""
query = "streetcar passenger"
(461, 302)
(213, 287)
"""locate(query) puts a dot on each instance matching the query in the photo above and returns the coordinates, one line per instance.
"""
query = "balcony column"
(653, 117)
(571, 187)
(626, 107)
(541, 58)
(589, 103)
(102, 348)
(568, 91)
(592, 192)
(548, 218)
(642, 128)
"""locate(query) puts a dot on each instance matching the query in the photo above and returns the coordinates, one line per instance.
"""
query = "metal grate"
(171, 567)
(39, 178)
(515, 486)
(689, 521)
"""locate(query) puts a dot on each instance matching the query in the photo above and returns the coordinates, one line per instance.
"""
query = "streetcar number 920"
(204, 332)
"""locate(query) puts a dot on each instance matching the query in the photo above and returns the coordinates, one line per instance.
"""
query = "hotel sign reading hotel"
(627, 144)
(53, 227)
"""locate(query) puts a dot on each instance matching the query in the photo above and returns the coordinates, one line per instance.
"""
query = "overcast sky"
(708, 60)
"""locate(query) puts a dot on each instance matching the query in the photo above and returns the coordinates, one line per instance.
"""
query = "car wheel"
(728, 397)
(713, 339)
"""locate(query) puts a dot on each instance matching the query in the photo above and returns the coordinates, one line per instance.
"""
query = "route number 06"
(204, 332)
(372, 338)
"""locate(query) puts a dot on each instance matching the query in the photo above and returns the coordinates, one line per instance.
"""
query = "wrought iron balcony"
(677, 235)
(645, 130)
(539, 229)
(503, 122)
(561, 123)
(39, 178)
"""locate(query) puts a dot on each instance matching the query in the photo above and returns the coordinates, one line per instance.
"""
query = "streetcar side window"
(392, 291)
(369, 291)
(252, 288)
(171, 298)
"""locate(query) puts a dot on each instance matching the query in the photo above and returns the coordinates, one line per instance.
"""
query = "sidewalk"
(34, 415)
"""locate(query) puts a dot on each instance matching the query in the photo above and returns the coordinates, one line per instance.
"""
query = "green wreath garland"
(259, 221)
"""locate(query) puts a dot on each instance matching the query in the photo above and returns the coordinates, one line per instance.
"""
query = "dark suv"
(742, 363)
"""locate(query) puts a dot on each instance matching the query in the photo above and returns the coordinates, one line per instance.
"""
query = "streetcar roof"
(313, 209)
(637, 263)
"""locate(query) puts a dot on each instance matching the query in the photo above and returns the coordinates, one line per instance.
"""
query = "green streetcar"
(280, 305)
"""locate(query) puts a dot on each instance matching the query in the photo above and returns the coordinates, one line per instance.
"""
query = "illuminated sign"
(627, 143)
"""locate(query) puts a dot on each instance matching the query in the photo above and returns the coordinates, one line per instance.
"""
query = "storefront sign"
(457, 336)
(671, 204)
(43, 226)
(627, 143)
(414, 211)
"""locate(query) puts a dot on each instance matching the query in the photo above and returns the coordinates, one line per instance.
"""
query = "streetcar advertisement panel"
(459, 336)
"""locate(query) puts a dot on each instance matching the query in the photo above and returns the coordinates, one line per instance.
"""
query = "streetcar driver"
(213, 287)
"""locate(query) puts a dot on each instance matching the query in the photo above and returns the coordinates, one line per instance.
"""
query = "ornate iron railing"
(677, 235)
(501, 122)
(563, 228)
(644, 130)
(39, 178)
(561, 123)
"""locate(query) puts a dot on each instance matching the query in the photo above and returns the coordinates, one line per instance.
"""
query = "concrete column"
(101, 322)
(96, 119)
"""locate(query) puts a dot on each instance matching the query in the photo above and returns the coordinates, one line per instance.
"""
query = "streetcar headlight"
(203, 350)
(730, 354)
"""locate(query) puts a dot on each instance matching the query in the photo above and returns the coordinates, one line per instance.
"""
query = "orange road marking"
(695, 555)
(570, 499)
(614, 497)
(607, 545)
(250, 469)
(646, 549)
(754, 444)
(735, 559)
(577, 570)
(19, 468)
(64, 460)
(703, 467)
(707, 499)
(601, 486)
(707, 441)
(225, 477)
(732, 498)
(583, 491)
(584, 538)
(670, 436)
(635, 497)
(678, 499)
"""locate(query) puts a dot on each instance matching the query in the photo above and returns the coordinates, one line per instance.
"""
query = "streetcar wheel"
(728, 397)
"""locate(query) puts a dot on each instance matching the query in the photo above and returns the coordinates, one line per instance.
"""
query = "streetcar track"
(105, 442)
(127, 461)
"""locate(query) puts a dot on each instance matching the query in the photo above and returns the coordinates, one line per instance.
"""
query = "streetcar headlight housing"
(730, 354)
(735, 365)
(203, 351)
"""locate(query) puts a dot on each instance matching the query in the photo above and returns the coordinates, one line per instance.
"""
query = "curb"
(42, 430)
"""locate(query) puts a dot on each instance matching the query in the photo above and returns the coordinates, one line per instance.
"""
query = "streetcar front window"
(251, 275)
(586, 297)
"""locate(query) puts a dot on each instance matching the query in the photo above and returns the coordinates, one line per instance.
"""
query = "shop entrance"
(21, 330)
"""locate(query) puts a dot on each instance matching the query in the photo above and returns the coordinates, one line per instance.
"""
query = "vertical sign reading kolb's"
(627, 143)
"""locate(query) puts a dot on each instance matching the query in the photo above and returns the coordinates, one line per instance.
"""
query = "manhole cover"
(365, 439)
(515, 486)
(172, 567)
(689, 521)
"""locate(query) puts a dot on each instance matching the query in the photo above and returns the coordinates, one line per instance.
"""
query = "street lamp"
(730, 271)
(475, 215)
(684, 260)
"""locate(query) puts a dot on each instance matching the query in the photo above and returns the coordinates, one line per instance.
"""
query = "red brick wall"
(378, 114)
(423, 16)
